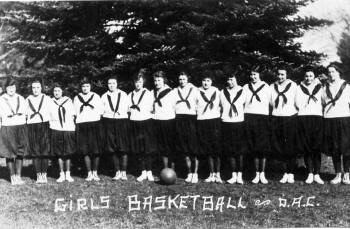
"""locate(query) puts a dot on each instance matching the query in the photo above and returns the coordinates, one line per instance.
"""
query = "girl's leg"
(165, 162)
(144, 168)
(95, 163)
(44, 165)
(233, 164)
(233, 179)
(211, 164)
(337, 163)
(188, 164)
(309, 163)
(218, 164)
(262, 170)
(256, 163)
(10, 166)
(62, 175)
(196, 165)
(317, 166)
(317, 163)
(87, 161)
(285, 171)
(68, 164)
(262, 164)
(257, 169)
(116, 164)
(37, 165)
(239, 162)
(19, 166)
(195, 170)
(346, 164)
(61, 165)
(211, 177)
(337, 166)
(189, 170)
(124, 162)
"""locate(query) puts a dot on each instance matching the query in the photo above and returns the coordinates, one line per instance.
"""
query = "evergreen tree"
(65, 41)
(344, 52)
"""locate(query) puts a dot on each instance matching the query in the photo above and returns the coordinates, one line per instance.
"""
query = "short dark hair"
(336, 67)
(232, 75)
(112, 78)
(10, 82)
(186, 74)
(141, 74)
(85, 80)
(207, 74)
(160, 74)
(58, 85)
(37, 81)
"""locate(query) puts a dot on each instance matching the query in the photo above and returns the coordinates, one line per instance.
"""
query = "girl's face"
(309, 78)
(206, 83)
(255, 77)
(11, 90)
(333, 74)
(36, 89)
(281, 75)
(231, 82)
(139, 84)
(85, 88)
(112, 85)
(57, 92)
(183, 80)
(159, 82)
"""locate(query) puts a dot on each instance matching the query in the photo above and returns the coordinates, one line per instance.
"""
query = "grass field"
(33, 206)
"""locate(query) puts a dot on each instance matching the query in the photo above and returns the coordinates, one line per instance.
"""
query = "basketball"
(167, 176)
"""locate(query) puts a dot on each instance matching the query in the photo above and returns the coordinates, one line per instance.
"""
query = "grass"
(32, 205)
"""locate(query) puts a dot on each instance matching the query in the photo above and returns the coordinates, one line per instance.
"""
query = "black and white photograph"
(175, 114)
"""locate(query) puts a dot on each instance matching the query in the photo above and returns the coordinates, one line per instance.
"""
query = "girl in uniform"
(283, 123)
(310, 124)
(13, 132)
(336, 101)
(164, 118)
(257, 122)
(185, 124)
(63, 141)
(232, 99)
(116, 126)
(39, 108)
(142, 139)
(89, 108)
(209, 127)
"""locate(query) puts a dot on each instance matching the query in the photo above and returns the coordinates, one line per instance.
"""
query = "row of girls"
(281, 120)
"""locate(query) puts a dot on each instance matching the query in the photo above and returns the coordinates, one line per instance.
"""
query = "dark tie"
(115, 110)
(314, 92)
(36, 112)
(136, 106)
(61, 112)
(85, 103)
(255, 93)
(182, 100)
(233, 107)
(282, 94)
(210, 103)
